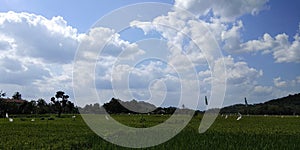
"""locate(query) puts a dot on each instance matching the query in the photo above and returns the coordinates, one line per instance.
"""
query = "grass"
(251, 132)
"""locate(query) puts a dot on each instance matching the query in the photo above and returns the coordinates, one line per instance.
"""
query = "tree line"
(117, 106)
(15, 105)
(59, 104)
(289, 105)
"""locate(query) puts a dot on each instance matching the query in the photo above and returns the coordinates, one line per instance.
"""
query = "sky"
(169, 50)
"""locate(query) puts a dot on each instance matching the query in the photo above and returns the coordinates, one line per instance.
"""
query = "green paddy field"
(251, 132)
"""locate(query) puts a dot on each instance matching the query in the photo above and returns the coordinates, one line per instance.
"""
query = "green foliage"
(34, 107)
(61, 102)
(289, 105)
(251, 132)
(17, 96)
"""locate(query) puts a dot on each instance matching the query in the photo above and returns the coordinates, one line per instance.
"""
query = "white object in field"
(32, 120)
(129, 114)
(297, 116)
(281, 116)
(240, 116)
(106, 117)
(10, 119)
(265, 115)
(6, 115)
(148, 114)
(226, 116)
(73, 117)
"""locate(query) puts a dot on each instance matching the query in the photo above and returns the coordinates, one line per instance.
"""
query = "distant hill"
(289, 105)
(118, 106)
(139, 106)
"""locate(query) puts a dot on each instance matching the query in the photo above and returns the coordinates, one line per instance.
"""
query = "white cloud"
(16, 72)
(122, 49)
(279, 83)
(298, 79)
(6, 43)
(290, 85)
(38, 52)
(111, 64)
(224, 13)
(262, 90)
(282, 49)
(241, 79)
(226, 10)
(240, 72)
(288, 52)
(175, 27)
(231, 37)
(32, 35)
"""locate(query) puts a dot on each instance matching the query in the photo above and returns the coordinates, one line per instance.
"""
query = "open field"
(251, 132)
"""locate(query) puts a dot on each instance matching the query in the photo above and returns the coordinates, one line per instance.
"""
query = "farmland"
(251, 132)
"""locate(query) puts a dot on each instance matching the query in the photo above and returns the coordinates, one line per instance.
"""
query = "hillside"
(289, 105)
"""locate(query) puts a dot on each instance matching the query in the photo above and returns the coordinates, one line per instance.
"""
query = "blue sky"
(259, 41)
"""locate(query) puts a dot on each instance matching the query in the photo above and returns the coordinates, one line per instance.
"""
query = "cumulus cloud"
(222, 29)
(6, 43)
(287, 84)
(240, 72)
(20, 74)
(32, 35)
(279, 83)
(224, 13)
(99, 51)
(262, 90)
(226, 10)
(241, 80)
(231, 37)
(38, 52)
(35, 52)
(282, 49)
(298, 79)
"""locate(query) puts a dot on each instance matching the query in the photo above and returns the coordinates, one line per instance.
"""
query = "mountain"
(139, 106)
(289, 105)
(117, 106)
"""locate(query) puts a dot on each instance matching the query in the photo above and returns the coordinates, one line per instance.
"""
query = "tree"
(42, 106)
(17, 96)
(114, 107)
(2, 94)
(70, 107)
(60, 101)
(27, 107)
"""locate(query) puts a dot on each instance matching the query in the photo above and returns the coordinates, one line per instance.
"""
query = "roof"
(12, 100)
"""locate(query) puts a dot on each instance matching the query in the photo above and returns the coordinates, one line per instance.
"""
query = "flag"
(246, 103)
(206, 102)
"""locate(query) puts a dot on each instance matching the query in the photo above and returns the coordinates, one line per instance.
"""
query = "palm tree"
(60, 102)
(17, 96)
